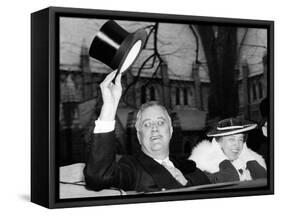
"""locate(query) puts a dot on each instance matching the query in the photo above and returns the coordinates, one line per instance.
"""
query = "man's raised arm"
(111, 94)
(100, 170)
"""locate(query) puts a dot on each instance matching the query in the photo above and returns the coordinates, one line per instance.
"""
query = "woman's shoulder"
(251, 155)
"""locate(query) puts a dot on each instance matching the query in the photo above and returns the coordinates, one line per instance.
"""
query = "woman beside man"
(227, 158)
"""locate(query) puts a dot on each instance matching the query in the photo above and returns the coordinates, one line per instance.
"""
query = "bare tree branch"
(242, 43)
(196, 42)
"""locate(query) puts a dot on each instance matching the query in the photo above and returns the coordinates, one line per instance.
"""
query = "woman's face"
(232, 145)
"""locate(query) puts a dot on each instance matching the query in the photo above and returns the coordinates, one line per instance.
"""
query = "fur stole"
(208, 156)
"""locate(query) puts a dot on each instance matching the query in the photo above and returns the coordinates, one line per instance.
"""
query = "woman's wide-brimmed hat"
(116, 47)
(231, 126)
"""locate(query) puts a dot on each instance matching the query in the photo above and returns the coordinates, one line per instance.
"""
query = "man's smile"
(155, 137)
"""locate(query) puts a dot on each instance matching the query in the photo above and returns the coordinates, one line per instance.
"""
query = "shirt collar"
(166, 160)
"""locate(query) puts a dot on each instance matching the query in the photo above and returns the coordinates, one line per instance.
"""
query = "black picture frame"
(45, 87)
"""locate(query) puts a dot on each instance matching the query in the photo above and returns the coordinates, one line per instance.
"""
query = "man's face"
(232, 145)
(155, 132)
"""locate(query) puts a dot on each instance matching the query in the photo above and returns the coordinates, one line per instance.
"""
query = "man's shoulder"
(189, 169)
(130, 160)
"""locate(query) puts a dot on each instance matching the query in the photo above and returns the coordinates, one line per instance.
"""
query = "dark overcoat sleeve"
(103, 171)
(256, 170)
(226, 173)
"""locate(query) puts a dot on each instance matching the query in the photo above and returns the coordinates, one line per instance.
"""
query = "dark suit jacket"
(258, 143)
(139, 172)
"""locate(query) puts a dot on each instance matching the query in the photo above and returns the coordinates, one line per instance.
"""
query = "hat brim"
(125, 48)
(225, 132)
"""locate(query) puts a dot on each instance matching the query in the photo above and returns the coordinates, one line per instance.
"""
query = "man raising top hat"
(152, 168)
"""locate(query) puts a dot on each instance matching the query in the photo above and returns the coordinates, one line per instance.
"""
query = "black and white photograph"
(155, 105)
(140, 108)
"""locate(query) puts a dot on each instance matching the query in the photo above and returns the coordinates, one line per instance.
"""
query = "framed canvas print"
(138, 107)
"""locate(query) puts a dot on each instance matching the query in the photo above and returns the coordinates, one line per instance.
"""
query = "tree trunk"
(220, 47)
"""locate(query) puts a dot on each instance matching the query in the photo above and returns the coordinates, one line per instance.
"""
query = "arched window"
(190, 91)
(177, 96)
(185, 96)
(254, 91)
(143, 94)
(152, 93)
(260, 90)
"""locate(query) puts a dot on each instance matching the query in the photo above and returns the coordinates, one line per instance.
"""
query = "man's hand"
(111, 94)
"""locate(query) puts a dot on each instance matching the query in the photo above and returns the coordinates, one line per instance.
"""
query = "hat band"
(233, 127)
(108, 40)
(229, 128)
(230, 132)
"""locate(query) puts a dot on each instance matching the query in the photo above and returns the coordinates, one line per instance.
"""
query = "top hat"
(115, 47)
(231, 126)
